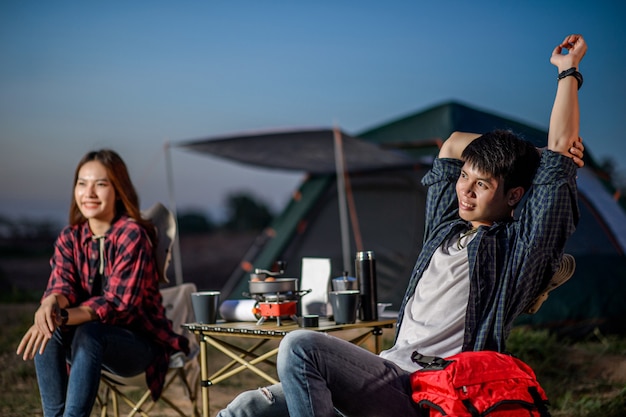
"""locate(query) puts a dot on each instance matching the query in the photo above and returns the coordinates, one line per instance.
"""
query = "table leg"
(243, 353)
(204, 376)
(378, 336)
(250, 365)
(375, 332)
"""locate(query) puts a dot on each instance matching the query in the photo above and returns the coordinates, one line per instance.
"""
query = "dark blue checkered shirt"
(509, 262)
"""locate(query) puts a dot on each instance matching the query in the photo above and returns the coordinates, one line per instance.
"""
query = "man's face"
(482, 200)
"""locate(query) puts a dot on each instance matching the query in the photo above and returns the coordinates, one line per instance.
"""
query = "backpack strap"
(430, 362)
(539, 402)
(470, 407)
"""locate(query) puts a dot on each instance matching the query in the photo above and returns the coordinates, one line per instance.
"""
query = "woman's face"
(95, 196)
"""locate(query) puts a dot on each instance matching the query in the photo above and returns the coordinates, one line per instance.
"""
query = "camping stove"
(277, 298)
(276, 307)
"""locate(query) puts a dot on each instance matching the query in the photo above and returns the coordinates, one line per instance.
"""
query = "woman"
(102, 307)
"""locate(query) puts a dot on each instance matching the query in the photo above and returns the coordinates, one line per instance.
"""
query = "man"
(478, 270)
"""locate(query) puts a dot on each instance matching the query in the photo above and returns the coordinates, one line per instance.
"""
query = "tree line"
(244, 213)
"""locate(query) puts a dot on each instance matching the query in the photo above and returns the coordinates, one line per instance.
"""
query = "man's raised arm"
(563, 135)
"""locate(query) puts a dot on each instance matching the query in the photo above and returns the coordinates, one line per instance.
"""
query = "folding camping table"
(216, 335)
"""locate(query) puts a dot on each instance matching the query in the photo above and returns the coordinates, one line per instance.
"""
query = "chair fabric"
(561, 276)
(165, 225)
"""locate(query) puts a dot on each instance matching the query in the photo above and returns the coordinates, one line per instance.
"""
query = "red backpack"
(476, 384)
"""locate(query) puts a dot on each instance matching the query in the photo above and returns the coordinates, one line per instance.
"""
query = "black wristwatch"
(574, 73)
(64, 316)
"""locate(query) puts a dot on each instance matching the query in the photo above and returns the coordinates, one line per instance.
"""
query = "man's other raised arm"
(453, 146)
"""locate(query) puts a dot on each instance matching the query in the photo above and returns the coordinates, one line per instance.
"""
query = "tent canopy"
(309, 150)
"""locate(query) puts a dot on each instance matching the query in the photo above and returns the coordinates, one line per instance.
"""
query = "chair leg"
(179, 373)
(103, 400)
(116, 405)
(173, 406)
(136, 407)
(112, 393)
(191, 392)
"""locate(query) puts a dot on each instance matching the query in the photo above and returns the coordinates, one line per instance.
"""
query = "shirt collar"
(87, 235)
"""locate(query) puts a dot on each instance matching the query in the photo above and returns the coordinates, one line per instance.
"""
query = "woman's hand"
(47, 319)
(33, 341)
(47, 316)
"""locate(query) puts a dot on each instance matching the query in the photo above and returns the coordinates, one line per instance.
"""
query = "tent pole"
(176, 257)
(341, 195)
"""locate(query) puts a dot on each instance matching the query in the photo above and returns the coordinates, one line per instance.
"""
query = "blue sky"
(134, 75)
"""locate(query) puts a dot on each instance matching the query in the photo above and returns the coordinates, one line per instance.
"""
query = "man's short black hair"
(503, 154)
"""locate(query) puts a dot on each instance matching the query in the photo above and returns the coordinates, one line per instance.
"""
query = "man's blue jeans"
(321, 374)
(89, 347)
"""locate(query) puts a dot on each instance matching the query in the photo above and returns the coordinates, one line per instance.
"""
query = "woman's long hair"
(127, 200)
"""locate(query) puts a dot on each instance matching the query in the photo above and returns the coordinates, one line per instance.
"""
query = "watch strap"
(574, 73)
(64, 316)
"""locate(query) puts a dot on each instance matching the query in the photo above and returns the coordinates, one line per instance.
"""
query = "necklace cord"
(459, 243)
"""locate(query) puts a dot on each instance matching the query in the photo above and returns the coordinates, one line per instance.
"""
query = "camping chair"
(564, 273)
(165, 226)
(178, 308)
(177, 301)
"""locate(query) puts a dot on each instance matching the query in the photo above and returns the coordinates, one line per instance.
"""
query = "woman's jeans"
(89, 348)
(321, 375)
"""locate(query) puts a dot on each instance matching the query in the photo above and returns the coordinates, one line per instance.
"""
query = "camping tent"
(389, 206)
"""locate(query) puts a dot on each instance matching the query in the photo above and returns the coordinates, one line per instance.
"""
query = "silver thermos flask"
(365, 271)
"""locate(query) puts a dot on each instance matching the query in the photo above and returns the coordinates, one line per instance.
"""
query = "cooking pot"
(275, 285)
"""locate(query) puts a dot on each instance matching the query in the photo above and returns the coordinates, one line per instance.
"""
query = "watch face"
(64, 316)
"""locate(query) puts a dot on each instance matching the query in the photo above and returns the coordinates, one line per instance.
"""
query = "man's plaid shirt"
(510, 262)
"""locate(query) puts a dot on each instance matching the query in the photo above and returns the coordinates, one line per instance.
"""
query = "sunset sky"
(135, 75)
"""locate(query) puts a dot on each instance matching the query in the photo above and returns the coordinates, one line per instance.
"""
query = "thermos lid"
(364, 255)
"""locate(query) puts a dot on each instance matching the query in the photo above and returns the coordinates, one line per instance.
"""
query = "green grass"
(573, 373)
(19, 395)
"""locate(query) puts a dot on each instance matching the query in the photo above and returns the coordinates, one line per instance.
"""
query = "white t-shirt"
(434, 318)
